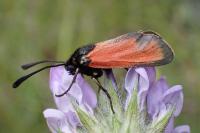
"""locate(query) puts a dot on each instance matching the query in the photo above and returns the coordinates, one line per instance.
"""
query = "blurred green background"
(32, 30)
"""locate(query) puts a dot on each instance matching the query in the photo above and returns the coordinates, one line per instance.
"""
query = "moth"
(136, 49)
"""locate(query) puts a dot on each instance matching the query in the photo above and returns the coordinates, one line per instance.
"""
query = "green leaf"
(131, 115)
(116, 124)
(88, 121)
(117, 104)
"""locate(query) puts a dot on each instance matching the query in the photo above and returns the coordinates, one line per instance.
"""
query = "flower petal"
(59, 82)
(174, 96)
(182, 129)
(57, 121)
(89, 96)
(143, 87)
(170, 126)
(139, 77)
(163, 83)
(130, 82)
(110, 75)
(73, 119)
(155, 96)
(151, 72)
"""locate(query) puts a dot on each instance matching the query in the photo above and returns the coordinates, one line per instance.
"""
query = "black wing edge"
(166, 48)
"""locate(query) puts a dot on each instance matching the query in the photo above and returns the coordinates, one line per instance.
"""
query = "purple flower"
(57, 121)
(155, 96)
(141, 77)
(65, 116)
(145, 95)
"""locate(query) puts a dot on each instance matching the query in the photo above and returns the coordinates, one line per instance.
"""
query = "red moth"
(129, 50)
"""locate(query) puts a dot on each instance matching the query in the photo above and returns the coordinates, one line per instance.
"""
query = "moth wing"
(129, 50)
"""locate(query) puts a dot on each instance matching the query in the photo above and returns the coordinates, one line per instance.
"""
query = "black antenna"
(22, 79)
(29, 65)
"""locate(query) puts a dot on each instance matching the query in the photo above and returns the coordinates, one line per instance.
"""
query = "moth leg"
(106, 92)
(98, 91)
(126, 69)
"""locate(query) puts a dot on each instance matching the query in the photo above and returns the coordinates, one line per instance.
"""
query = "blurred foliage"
(46, 29)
